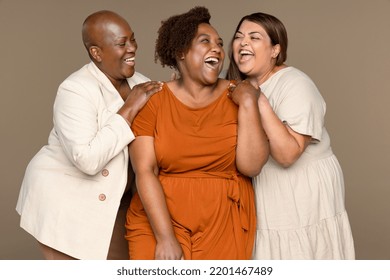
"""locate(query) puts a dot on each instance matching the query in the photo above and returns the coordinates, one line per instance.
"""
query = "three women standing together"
(201, 139)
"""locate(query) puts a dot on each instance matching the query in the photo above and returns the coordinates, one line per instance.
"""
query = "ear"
(275, 51)
(180, 56)
(95, 52)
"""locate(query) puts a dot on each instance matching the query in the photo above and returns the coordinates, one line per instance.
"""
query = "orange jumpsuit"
(210, 203)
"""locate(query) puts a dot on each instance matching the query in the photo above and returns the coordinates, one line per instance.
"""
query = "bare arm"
(252, 142)
(149, 188)
(286, 145)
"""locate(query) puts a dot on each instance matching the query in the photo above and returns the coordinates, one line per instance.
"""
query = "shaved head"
(96, 25)
(111, 45)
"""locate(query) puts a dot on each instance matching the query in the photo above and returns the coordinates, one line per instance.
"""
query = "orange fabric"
(211, 205)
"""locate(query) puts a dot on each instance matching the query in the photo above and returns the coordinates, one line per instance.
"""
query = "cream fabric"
(73, 186)
(300, 210)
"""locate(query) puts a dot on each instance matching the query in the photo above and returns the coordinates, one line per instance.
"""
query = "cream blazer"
(72, 187)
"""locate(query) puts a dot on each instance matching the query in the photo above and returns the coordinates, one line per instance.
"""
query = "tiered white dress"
(300, 209)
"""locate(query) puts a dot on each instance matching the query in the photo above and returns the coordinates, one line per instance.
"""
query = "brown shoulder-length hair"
(275, 30)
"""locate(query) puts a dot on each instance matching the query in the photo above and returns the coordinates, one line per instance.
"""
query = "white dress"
(300, 209)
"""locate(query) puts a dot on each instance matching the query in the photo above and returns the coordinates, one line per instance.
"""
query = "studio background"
(343, 45)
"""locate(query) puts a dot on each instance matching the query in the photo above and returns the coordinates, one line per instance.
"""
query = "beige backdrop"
(343, 45)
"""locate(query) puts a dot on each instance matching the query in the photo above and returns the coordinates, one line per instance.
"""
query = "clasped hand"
(243, 92)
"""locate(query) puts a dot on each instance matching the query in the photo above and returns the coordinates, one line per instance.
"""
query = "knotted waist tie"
(239, 214)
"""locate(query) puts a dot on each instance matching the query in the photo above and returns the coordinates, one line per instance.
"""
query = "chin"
(129, 73)
(212, 80)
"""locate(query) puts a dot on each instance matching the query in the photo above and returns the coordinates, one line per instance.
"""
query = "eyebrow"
(209, 36)
(251, 33)
(124, 37)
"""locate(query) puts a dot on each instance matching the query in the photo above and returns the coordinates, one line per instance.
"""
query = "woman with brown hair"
(300, 191)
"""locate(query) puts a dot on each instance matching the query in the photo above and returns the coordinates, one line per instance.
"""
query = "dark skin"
(111, 45)
(197, 87)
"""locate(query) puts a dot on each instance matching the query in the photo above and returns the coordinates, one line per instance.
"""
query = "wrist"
(127, 114)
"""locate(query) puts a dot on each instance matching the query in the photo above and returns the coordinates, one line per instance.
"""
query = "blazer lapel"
(110, 95)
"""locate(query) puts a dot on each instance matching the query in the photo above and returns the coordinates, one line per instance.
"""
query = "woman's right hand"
(243, 92)
(169, 249)
(136, 99)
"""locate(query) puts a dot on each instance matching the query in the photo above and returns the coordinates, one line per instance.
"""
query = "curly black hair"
(176, 33)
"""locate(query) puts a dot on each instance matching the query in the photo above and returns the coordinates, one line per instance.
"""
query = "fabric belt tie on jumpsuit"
(238, 211)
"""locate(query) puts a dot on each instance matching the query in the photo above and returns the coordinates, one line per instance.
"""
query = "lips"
(212, 61)
(130, 60)
(245, 55)
(245, 52)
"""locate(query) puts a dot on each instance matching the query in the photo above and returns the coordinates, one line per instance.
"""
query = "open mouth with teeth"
(130, 59)
(245, 52)
(212, 61)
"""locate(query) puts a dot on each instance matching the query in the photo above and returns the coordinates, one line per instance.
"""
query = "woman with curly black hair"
(195, 147)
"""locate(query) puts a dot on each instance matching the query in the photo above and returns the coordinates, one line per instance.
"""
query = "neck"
(194, 94)
(196, 90)
(123, 88)
(263, 78)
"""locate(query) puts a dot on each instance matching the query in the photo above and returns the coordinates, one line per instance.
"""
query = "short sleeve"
(303, 108)
(145, 122)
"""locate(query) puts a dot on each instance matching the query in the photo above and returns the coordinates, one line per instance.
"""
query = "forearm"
(153, 199)
(252, 142)
(90, 137)
(128, 113)
(92, 156)
(143, 159)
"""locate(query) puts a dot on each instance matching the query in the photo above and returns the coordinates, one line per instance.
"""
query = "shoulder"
(80, 85)
(304, 91)
(82, 77)
(292, 74)
(223, 84)
(300, 83)
(294, 80)
(164, 93)
(158, 99)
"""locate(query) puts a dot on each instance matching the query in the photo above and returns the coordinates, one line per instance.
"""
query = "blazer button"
(105, 172)
(102, 197)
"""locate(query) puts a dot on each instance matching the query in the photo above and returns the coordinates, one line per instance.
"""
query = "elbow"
(88, 161)
(89, 166)
(286, 162)
(88, 169)
(253, 169)
(250, 172)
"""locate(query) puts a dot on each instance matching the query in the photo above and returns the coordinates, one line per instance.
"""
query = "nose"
(217, 48)
(244, 42)
(131, 46)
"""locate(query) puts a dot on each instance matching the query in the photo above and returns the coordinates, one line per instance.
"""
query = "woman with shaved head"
(77, 188)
